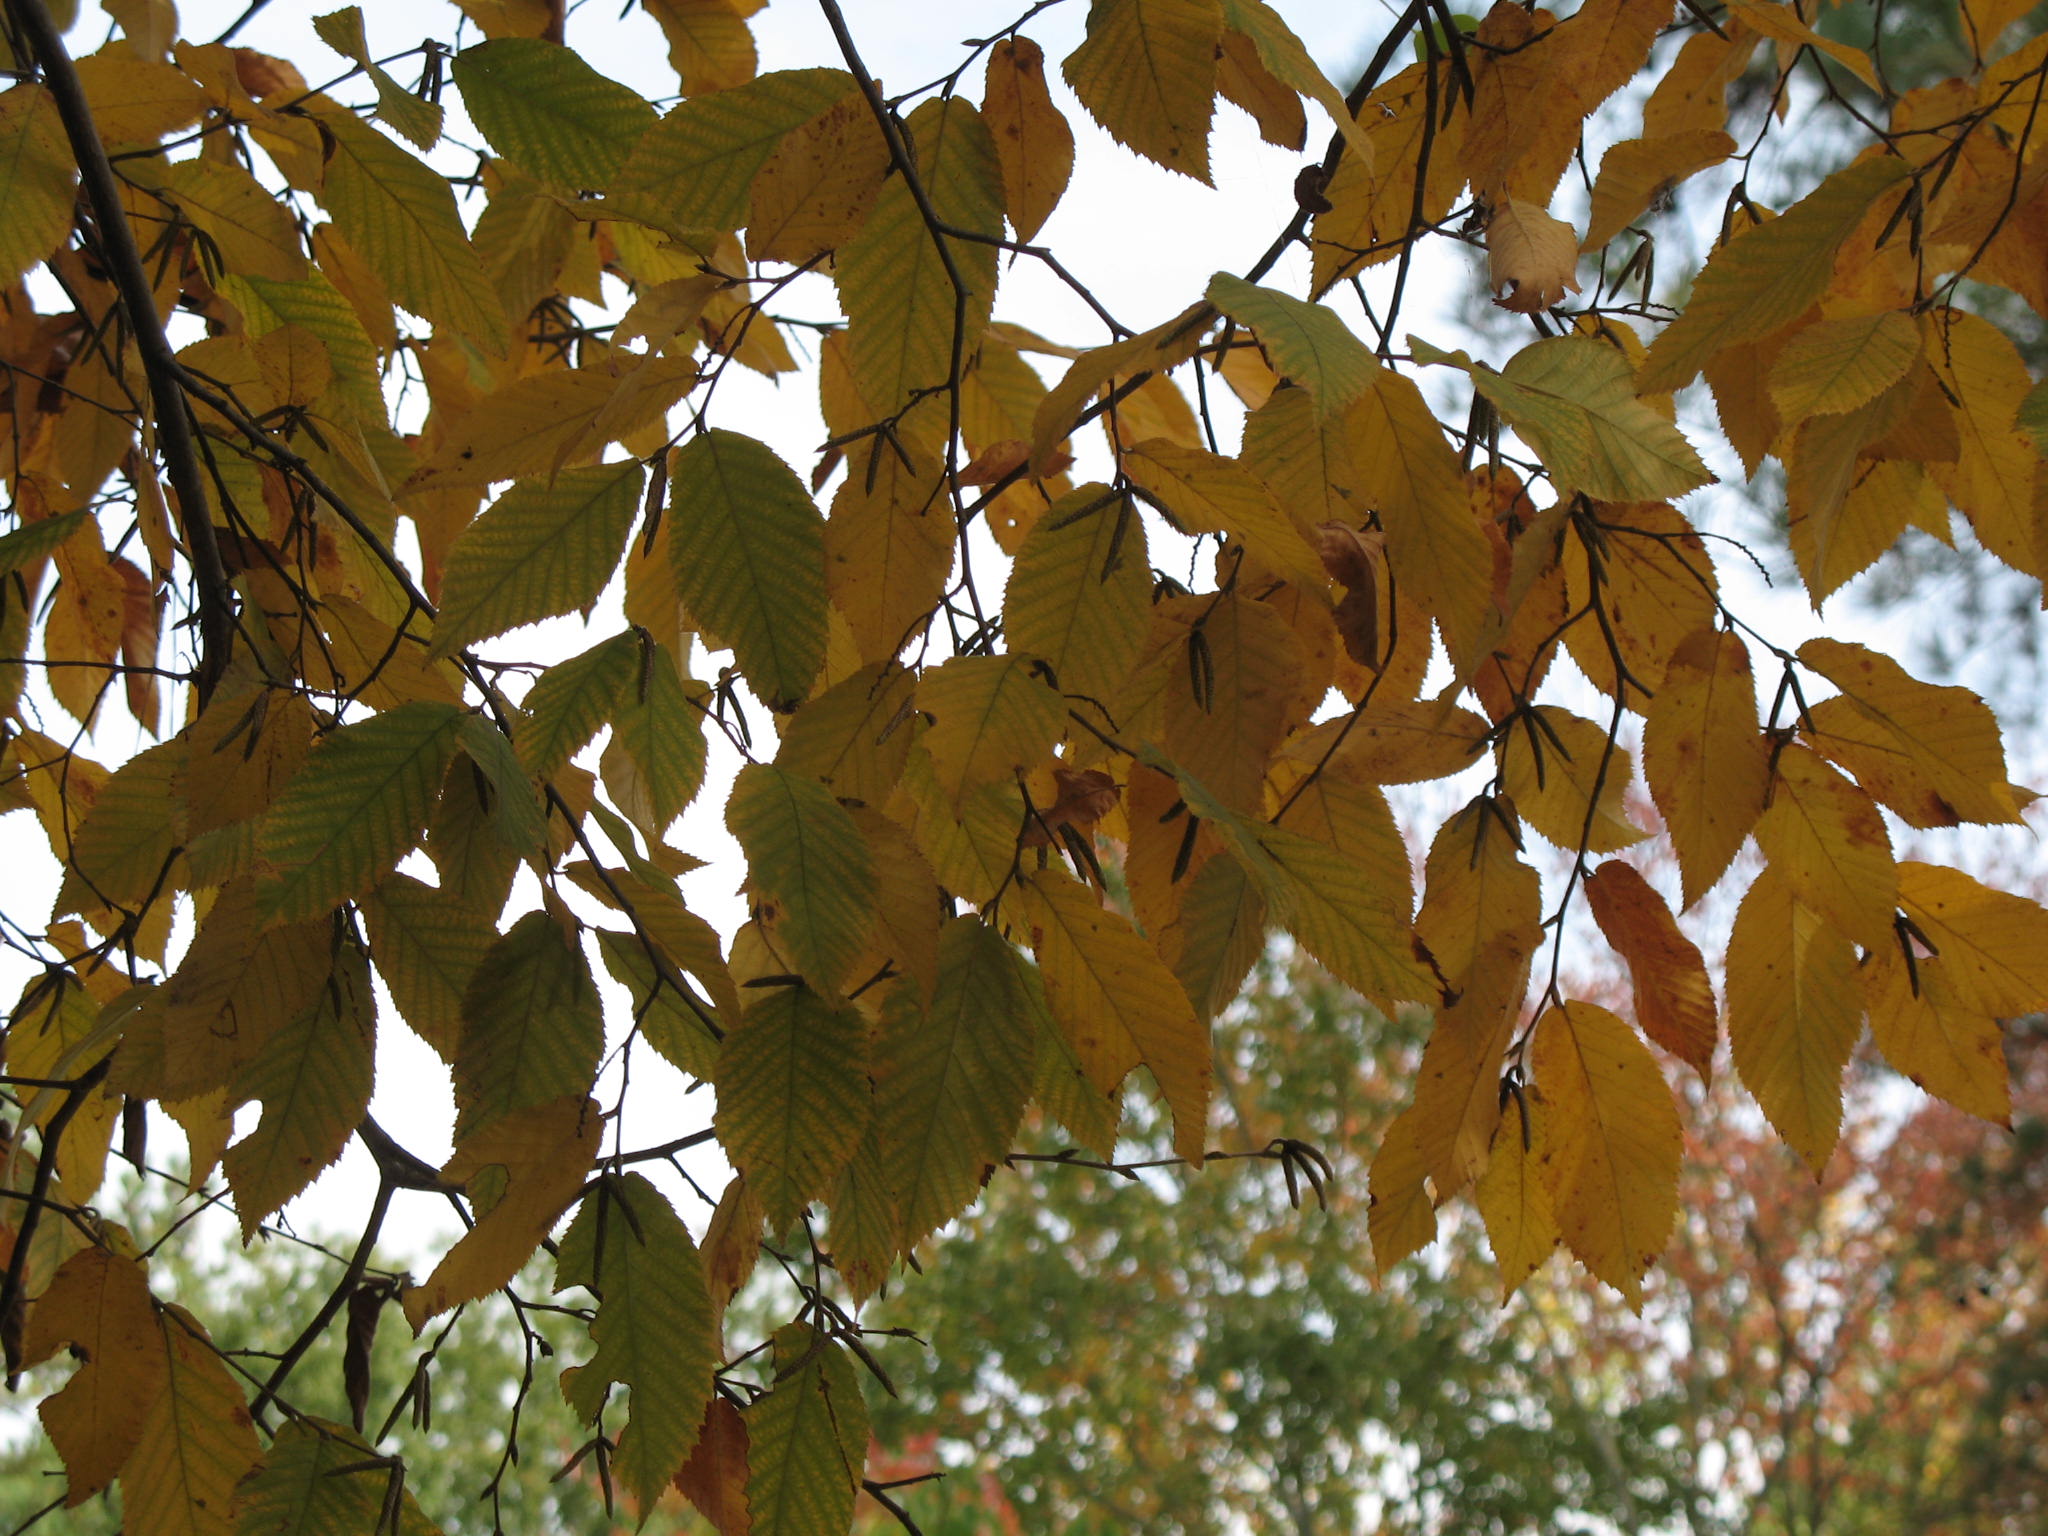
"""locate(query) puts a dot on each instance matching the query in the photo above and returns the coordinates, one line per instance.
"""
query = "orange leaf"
(1674, 998)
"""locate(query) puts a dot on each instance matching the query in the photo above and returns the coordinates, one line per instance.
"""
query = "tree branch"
(216, 603)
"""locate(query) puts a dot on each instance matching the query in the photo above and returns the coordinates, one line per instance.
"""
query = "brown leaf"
(1531, 255)
(1086, 795)
(1354, 556)
(715, 1477)
(1000, 460)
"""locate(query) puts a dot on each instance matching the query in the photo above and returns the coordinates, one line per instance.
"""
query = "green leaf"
(2033, 416)
(694, 169)
(314, 303)
(1147, 73)
(1307, 342)
(543, 108)
(1080, 592)
(516, 812)
(36, 176)
(653, 1330)
(807, 1440)
(1574, 400)
(427, 944)
(313, 1077)
(353, 811)
(321, 1479)
(541, 549)
(572, 700)
(1838, 365)
(893, 281)
(33, 541)
(414, 116)
(121, 855)
(953, 1077)
(676, 1027)
(805, 855)
(656, 724)
(992, 717)
(532, 1026)
(401, 216)
(748, 549)
(1767, 276)
(793, 1097)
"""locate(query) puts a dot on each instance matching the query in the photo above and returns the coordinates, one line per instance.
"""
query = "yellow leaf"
(1767, 276)
(1793, 1014)
(1783, 24)
(401, 215)
(992, 718)
(1116, 1002)
(1458, 1103)
(1704, 755)
(815, 192)
(1216, 934)
(1033, 142)
(709, 45)
(1934, 755)
(542, 1154)
(1612, 1160)
(1531, 258)
(99, 1303)
(1637, 174)
(1512, 1197)
(1401, 1219)
(1349, 899)
(197, 1444)
(1207, 493)
(1826, 838)
(1230, 696)
(1656, 585)
(1147, 73)
(854, 736)
(1992, 479)
(36, 177)
(1833, 541)
(1395, 742)
(972, 841)
(1405, 469)
(1162, 347)
(313, 1078)
(1574, 398)
(1993, 945)
(1372, 197)
(1837, 365)
(249, 227)
(1674, 1000)
(56, 1034)
(1954, 1051)
(888, 549)
(1476, 887)
(535, 425)
(1569, 780)
(1243, 80)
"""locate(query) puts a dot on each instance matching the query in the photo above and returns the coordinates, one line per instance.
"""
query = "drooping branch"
(215, 599)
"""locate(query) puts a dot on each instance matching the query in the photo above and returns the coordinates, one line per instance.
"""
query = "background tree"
(267, 376)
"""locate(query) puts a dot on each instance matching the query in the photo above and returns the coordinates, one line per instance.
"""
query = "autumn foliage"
(298, 437)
